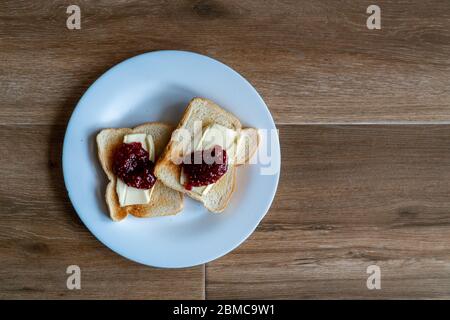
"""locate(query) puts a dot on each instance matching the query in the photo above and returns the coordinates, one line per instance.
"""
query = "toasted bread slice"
(208, 113)
(164, 200)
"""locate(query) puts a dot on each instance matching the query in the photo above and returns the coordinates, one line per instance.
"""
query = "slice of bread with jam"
(161, 200)
(202, 118)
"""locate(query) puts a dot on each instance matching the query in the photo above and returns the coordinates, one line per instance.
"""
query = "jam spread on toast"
(131, 163)
(204, 167)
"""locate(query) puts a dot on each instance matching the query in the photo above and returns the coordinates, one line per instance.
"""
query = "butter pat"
(213, 135)
(129, 195)
(151, 146)
(222, 136)
(137, 137)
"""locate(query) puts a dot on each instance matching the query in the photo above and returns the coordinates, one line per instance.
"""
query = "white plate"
(157, 86)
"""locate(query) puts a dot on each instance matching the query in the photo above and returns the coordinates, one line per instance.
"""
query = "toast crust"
(164, 201)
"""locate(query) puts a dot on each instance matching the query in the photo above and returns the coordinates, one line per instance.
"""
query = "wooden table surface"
(364, 120)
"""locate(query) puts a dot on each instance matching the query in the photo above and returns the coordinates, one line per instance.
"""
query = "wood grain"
(349, 197)
(41, 235)
(312, 61)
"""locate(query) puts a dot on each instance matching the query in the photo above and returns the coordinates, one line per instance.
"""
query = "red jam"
(133, 166)
(204, 167)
